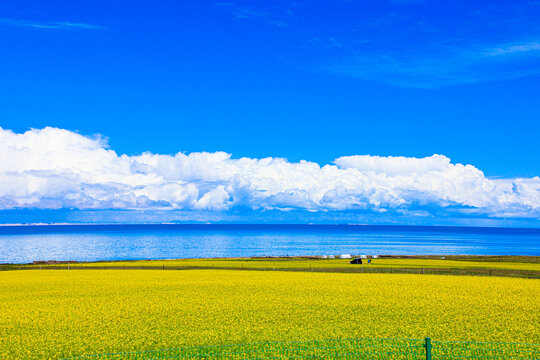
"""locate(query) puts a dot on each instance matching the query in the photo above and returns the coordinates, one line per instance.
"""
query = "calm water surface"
(20, 244)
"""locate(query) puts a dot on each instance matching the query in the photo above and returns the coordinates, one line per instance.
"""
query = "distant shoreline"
(276, 225)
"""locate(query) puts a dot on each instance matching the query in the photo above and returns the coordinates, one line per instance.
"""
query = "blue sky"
(301, 80)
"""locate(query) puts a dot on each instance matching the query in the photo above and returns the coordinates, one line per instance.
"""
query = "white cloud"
(442, 65)
(514, 48)
(55, 168)
(50, 25)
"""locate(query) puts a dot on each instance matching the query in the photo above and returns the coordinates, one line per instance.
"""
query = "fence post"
(427, 345)
(163, 267)
(423, 274)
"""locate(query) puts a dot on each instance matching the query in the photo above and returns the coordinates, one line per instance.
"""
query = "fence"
(533, 274)
(378, 349)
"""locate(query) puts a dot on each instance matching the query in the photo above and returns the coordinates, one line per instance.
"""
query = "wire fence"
(377, 349)
(484, 350)
(533, 274)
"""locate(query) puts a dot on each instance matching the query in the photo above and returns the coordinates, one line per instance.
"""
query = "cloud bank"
(54, 168)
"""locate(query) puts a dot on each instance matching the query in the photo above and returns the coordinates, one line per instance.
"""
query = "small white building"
(363, 256)
(331, 257)
(344, 256)
(324, 257)
(375, 256)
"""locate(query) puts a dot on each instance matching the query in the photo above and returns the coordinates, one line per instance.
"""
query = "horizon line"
(264, 224)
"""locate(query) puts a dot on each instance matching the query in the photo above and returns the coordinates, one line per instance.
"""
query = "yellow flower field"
(59, 313)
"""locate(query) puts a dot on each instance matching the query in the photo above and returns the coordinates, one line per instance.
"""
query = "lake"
(21, 244)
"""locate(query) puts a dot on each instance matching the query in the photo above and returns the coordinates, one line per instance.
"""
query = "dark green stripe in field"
(515, 266)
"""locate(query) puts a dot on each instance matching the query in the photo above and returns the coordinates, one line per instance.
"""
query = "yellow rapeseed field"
(60, 313)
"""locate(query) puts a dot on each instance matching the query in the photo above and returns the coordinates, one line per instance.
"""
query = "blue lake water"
(20, 244)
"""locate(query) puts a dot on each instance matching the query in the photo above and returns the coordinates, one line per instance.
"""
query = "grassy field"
(55, 314)
(517, 266)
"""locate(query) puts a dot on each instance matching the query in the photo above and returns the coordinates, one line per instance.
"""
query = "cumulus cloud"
(53, 168)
